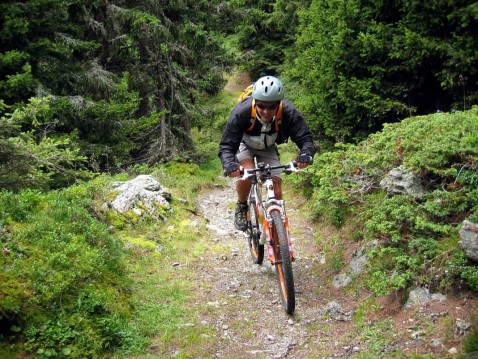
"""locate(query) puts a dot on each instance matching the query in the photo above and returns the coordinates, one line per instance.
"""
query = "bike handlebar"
(288, 168)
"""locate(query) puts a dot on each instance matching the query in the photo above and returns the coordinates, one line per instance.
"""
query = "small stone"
(452, 351)
(417, 334)
(462, 326)
(438, 342)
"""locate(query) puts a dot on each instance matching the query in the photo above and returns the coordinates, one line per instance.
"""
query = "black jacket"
(292, 126)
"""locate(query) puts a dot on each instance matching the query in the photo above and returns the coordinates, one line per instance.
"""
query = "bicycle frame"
(264, 208)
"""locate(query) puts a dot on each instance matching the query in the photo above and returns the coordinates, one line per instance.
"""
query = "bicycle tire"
(283, 265)
(253, 235)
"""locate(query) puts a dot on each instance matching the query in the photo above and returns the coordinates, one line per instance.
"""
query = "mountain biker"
(256, 125)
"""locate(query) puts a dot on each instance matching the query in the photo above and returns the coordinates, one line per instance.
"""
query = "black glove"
(230, 167)
(305, 158)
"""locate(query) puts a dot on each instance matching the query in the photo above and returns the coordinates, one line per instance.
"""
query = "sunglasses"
(263, 107)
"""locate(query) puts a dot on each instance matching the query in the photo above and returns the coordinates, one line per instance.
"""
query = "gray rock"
(335, 311)
(437, 342)
(357, 265)
(341, 280)
(419, 296)
(469, 239)
(401, 181)
(462, 326)
(438, 297)
(332, 308)
(142, 194)
(358, 262)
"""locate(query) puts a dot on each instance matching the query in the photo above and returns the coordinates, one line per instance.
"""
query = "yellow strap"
(278, 118)
(253, 115)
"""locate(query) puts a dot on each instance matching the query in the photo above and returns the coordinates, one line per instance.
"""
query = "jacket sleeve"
(232, 135)
(295, 127)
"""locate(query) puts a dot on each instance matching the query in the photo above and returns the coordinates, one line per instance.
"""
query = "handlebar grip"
(240, 169)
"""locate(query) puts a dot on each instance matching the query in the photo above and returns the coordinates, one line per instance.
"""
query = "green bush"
(63, 287)
(418, 237)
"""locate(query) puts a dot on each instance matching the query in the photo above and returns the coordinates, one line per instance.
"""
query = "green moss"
(115, 219)
(138, 241)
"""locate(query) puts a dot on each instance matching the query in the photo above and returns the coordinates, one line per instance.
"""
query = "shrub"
(417, 236)
(64, 290)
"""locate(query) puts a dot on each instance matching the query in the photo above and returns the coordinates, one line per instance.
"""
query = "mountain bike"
(268, 226)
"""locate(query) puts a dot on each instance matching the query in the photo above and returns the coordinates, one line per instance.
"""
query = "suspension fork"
(267, 225)
(287, 232)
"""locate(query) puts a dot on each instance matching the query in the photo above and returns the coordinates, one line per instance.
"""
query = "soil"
(243, 303)
(238, 82)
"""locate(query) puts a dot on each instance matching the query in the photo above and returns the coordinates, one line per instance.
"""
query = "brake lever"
(292, 168)
(246, 175)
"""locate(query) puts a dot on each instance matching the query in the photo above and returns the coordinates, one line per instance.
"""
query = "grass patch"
(165, 316)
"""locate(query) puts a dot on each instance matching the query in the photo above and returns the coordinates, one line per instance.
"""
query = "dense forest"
(89, 88)
(99, 85)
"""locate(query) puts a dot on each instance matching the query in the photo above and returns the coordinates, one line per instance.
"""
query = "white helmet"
(268, 88)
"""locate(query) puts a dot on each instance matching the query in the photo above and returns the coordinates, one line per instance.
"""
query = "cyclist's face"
(267, 109)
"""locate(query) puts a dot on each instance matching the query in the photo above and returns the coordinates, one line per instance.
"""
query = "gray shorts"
(268, 156)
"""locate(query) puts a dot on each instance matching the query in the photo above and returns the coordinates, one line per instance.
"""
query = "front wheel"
(254, 234)
(283, 264)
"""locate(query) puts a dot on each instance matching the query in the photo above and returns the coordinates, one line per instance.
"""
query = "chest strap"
(278, 117)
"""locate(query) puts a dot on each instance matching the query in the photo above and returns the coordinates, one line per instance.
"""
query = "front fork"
(289, 240)
(272, 247)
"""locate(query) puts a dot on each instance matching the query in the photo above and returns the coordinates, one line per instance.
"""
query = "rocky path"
(243, 303)
(244, 299)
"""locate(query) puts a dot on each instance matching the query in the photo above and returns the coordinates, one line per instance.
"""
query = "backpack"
(245, 94)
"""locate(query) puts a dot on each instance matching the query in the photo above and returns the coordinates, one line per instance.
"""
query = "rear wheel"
(283, 264)
(253, 235)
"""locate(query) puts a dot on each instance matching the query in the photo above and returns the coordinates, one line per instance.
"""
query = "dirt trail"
(244, 299)
(244, 305)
